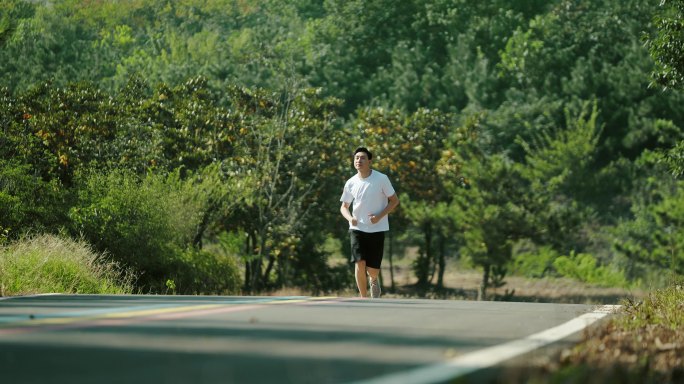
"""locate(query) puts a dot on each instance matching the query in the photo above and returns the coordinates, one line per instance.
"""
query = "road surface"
(212, 339)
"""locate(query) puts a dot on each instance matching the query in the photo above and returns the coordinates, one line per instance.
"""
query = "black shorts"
(367, 246)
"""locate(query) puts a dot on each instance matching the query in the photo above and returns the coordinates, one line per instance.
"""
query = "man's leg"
(374, 282)
(361, 281)
(373, 262)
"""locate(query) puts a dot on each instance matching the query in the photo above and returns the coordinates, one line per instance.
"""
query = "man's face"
(361, 162)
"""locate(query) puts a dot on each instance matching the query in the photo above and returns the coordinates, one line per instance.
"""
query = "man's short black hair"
(364, 149)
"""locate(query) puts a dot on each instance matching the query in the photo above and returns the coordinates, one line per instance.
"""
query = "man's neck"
(365, 174)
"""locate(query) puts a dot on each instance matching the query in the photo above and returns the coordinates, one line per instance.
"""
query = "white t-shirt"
(369, 196)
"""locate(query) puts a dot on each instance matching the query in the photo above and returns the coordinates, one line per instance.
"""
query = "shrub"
(582, 267)
(18, 185)
(536, 264)
(56, 264)
(150, 223)
(203, 272)
(130, 219)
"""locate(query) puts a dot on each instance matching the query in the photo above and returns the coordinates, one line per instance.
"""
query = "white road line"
(34, 295)
(488, 357)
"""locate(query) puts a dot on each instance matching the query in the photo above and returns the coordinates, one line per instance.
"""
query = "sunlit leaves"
(666, 44)
(559, 162)
(408, 147)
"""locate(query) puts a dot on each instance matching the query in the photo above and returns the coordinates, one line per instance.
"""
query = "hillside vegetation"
(202, 145)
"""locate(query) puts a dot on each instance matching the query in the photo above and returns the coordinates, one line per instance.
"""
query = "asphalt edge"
(482, 365)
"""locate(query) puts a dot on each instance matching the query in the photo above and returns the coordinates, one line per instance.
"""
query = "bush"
(149, 224)
(582, 267)
(535, 264)
(202, 272)
(54, 264)
(19, 185)
(130, 219)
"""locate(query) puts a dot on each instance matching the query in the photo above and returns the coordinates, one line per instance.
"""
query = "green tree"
(491, 215)
(648, 241)
(560, 169)
(666, 44)
(542, 199)
(12, 14)
(292, 141)
(435, 54)
(409, 147)
(435, 221)
(583, 51)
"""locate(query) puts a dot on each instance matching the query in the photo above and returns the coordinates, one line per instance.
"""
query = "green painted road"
(214, 339)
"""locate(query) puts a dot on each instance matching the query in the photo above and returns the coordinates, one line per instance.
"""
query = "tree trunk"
(254, 266)
(202, 227)
(249, 248)
(245, 286)
(269, 267)
(424, 258)
(256, 275)
(442, 262)
(281, 270)
(482, 293)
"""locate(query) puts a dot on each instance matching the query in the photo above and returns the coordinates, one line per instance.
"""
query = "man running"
(373, 198)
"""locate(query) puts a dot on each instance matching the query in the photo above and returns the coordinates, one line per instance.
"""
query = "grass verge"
(49, 264)
(643, 343)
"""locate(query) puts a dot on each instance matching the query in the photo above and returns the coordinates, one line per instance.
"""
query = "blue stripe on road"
(5, 319)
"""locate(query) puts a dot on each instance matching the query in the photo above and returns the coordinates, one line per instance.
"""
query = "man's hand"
(373, 219)
(354, 222)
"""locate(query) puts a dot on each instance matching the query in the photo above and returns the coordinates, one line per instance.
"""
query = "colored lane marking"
(84, 313)
(489, 357)
(105, 321)
(130, 315)
(49, 320)
(108, 311)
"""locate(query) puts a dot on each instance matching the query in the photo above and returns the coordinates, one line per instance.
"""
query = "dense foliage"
(179, 135)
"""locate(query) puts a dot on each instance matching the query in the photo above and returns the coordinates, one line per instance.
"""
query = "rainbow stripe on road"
(118, 316)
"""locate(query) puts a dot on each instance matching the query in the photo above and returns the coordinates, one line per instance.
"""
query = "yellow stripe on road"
(165, 313)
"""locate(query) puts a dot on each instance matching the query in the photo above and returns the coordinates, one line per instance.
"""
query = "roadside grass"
(642, 343)
(55, 264)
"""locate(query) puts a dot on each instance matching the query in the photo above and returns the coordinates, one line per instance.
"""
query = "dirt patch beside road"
(464, 284)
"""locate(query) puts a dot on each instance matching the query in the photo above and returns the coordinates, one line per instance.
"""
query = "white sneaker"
(375, 288)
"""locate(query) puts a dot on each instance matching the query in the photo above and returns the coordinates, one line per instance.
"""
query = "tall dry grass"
(57, 264)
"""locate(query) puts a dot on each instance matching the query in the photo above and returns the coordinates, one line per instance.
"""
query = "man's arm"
(344, 210)
(391, 205)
